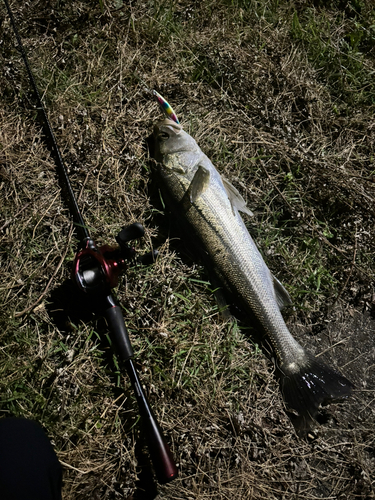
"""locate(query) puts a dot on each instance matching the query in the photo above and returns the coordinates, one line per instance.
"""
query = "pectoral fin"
(235, 198)
(199, 184)
(282, 296)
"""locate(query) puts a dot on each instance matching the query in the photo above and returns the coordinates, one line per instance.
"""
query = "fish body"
(211, 205)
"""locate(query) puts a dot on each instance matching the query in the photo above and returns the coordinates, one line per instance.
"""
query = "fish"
(211, 205)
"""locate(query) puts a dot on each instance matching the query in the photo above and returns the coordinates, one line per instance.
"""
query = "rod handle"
(119, 332)
(161, 456)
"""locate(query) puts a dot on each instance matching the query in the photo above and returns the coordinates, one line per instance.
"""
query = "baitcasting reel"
(97, 269)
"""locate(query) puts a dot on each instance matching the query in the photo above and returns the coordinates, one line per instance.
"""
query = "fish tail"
(311, 385)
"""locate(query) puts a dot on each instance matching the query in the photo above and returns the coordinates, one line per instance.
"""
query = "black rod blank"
(77, 215)
(162, 459)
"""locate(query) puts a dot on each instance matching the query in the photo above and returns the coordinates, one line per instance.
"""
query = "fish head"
(169, 138)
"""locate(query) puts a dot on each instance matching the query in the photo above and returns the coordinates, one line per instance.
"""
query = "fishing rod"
(96, 271)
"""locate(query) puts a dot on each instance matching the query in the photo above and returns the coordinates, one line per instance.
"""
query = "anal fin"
(282, 296)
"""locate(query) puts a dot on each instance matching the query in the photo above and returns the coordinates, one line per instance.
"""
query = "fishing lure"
(165, 107)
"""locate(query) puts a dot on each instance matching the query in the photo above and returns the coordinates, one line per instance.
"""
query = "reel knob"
(128, 233)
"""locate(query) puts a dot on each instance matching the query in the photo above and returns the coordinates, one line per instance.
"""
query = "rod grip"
(161, 456)
(119, 332)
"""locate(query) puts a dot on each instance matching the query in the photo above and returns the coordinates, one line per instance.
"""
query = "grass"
(280, 96)
(338, 49)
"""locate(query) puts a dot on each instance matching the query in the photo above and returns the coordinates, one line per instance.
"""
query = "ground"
(280, 96)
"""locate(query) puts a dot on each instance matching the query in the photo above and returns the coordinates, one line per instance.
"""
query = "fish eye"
(163, 136)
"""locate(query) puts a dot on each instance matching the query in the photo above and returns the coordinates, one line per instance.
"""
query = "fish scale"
(235, 255)
(211, 207)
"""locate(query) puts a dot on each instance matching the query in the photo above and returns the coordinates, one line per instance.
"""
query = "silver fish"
(211, 205)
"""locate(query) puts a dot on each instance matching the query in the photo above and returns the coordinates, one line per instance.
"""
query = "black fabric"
(29, 468)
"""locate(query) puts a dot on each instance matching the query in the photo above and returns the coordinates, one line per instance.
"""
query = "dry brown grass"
(245, 81)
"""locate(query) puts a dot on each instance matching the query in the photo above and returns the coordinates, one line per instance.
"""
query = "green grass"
(280, 96)
(337, 48)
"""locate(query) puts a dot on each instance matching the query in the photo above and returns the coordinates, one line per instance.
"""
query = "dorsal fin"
(235, 198)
